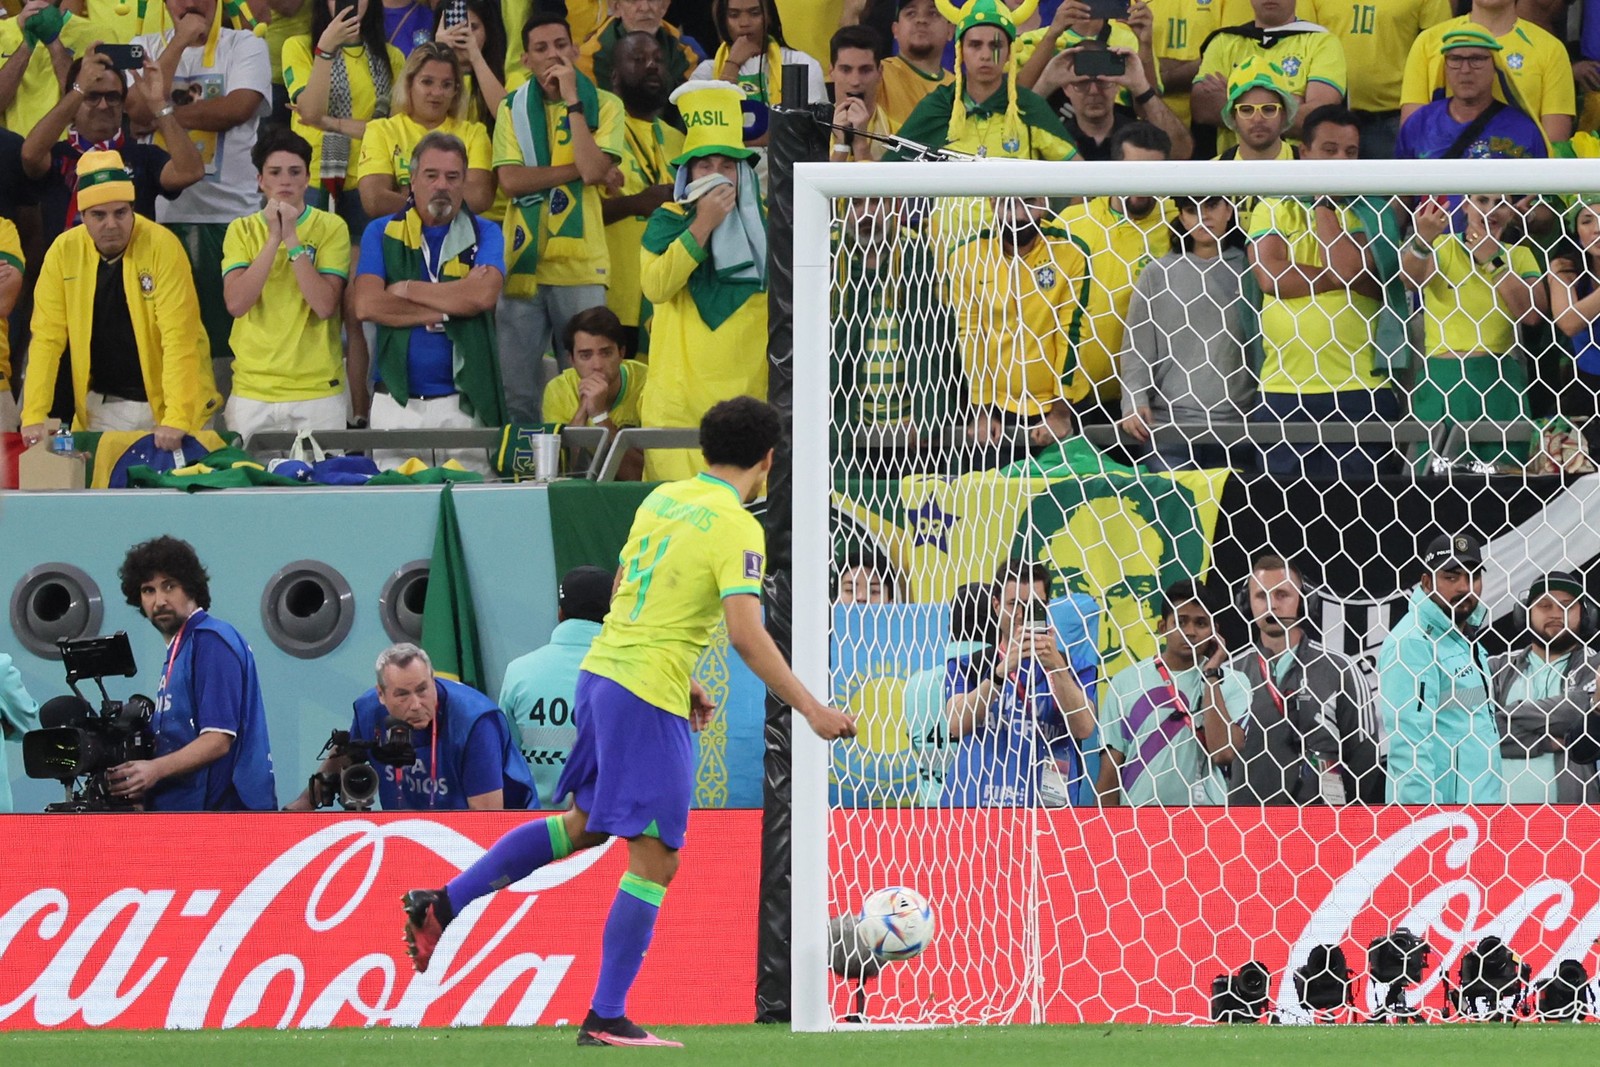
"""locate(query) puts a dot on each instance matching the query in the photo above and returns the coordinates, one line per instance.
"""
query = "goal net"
(1141, 515)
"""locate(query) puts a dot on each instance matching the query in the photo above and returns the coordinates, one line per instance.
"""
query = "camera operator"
(212, 752)
(466, 756)
(18, 715)
(1310, 736)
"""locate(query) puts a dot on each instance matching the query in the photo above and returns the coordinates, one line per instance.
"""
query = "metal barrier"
(646, 438)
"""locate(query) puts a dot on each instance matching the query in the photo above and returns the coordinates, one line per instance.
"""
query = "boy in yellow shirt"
(284, 272)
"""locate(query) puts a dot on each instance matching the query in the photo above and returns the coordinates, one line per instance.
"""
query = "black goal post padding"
(793, 136)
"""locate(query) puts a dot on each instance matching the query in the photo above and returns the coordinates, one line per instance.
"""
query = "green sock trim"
(643, 888)
(560, 843)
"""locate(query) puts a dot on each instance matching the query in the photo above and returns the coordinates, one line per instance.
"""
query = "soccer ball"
(895, 923)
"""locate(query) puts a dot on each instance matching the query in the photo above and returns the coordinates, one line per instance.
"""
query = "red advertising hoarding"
(1126, 915)
(143, 921)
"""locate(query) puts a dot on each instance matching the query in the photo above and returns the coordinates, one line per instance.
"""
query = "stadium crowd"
(308, 214)
(259, 167)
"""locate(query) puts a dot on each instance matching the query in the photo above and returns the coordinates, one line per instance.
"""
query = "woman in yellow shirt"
(429, 96)
(337, 86)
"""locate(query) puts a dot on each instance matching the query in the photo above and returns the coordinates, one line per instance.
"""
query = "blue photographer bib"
(209, 682)
(467, 751)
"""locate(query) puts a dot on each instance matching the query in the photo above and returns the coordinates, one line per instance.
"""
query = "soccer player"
(693, 557)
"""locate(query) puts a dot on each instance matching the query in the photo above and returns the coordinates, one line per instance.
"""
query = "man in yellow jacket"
(116, 297)
(704, 268)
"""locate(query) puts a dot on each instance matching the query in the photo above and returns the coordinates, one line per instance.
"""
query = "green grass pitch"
(1464, 1045)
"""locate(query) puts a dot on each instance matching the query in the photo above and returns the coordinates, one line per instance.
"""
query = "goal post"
(1053, 912)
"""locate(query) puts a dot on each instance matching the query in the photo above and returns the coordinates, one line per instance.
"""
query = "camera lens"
(358, 786)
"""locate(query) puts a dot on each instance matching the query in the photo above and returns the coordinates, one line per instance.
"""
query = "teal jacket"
(18, 715)
(538, 692)
(1434, 694)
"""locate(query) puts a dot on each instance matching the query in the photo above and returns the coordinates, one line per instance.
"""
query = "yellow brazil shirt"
(1239, 12)
(1535, 62)
(903, 86)
(280, 31)
(1461, 309)
(11, 254)
(808, 26)
(297, 60)
(1377, 38)
(389, 143)
(1304, 57)
(561, 396)
(281, 349)
(1181, 27)
(1017, 319)
(1118, 247)
(647, 147)
(692, 545)
(39, 91)
(1320, 343)
(581, 262)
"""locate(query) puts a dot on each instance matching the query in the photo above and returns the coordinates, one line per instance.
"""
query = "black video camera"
(1493, 982)
(356, 786)
(1397, 960)
(76, 745)
(1240, 997)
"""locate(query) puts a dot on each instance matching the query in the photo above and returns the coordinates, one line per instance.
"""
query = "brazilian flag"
(1116, 534)
(449, 625)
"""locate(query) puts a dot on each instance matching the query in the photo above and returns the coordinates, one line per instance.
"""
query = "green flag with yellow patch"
(449, 625)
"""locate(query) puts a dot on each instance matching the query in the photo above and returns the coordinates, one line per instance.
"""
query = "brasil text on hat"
(713, 120)
(102, 179)
(1454, 551)
(1257, 73)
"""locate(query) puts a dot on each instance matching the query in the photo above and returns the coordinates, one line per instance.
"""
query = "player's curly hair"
(740, 432)
(164, 555)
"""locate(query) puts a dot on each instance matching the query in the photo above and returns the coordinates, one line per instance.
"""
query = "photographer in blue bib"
(1020, 710)
(465, 754)
(210, 726)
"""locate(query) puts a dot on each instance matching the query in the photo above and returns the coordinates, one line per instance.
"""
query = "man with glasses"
(1261, 106)
(90, 113)
(1469, 123)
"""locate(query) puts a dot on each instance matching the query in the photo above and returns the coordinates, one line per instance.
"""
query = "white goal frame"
(816, 186)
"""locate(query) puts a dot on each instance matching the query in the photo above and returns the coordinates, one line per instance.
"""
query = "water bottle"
(61, 442)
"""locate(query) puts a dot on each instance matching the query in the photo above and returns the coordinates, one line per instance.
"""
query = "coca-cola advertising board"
(280, 920)
(1126, 915)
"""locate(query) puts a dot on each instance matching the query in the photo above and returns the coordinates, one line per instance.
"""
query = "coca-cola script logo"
(229, 921)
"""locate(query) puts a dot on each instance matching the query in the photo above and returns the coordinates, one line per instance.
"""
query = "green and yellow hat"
(1467, 37)
(713, 120)
(103, 179)
(986, 13)
(1257, 73)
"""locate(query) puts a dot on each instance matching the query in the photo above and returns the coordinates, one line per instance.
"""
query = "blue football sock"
(629, 928)
(511, 859)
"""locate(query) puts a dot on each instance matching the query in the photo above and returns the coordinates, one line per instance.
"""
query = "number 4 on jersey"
(641, 572)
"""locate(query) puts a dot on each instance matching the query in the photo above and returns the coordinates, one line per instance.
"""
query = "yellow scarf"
(768, 84)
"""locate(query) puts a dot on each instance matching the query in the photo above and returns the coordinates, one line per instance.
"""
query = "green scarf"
(1391, 343)
(550, 220)
(476, 359)
(715, 295)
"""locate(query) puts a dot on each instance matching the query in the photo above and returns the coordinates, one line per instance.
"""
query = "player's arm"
(748, 636)
(331, 765)
(965, 712)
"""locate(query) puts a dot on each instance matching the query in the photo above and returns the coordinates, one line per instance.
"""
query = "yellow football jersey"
(692, 545)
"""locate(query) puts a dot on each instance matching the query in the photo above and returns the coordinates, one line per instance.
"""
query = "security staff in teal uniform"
(1433, 686)
(18, 714)
(539, 689)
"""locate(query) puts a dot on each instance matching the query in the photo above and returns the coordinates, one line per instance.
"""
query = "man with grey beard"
(429, 279)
